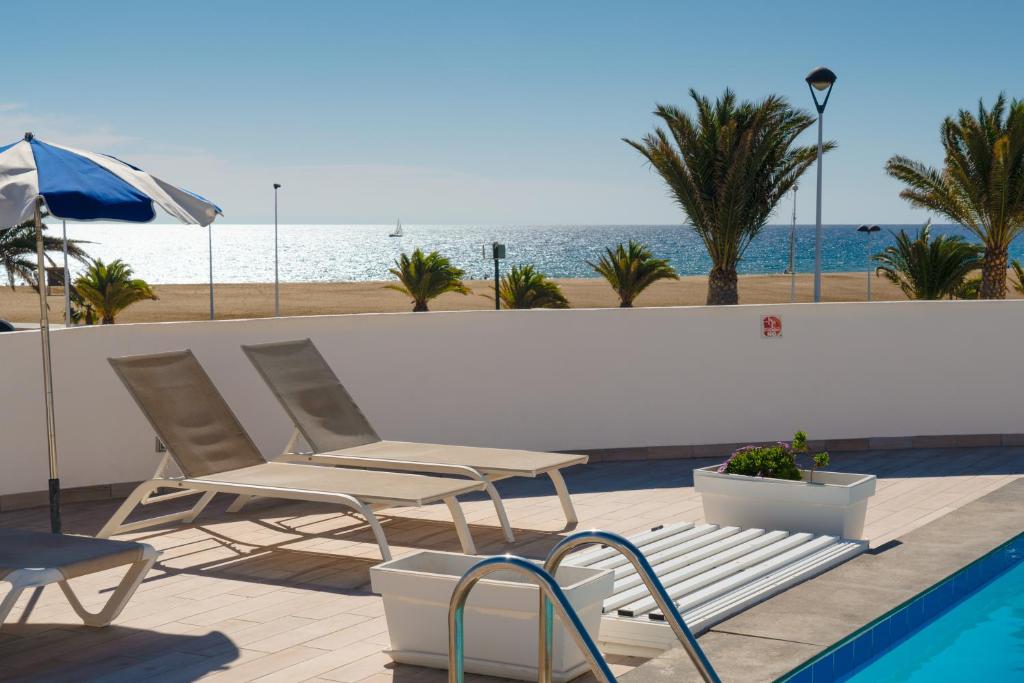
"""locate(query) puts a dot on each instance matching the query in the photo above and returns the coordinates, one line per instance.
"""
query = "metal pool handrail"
(550, 592)
(654, 585)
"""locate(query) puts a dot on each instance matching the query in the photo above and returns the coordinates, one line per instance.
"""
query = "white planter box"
(500, 615)
(834, 504)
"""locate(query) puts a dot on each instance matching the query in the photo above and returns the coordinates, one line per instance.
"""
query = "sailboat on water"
(398, 229)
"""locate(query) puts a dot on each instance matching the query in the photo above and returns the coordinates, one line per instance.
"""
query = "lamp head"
(821, 80)
(277, 186)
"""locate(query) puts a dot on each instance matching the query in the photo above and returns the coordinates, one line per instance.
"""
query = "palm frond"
(728, 166)
(1018, 276)
(111, 288)
(526, 287)
(18, 252)
(924, 267)
(980, 184)
(426, 276)
(632, 268)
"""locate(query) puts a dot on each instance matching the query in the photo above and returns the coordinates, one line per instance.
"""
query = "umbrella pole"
(44, 335)
(67, 279)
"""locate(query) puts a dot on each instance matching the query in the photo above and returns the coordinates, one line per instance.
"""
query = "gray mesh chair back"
(322, 410)
(187, 413)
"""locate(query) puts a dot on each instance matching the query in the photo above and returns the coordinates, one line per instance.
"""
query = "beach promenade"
(191, 302)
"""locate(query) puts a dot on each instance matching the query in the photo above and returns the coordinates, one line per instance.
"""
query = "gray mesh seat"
(337, 432)
(216, 455)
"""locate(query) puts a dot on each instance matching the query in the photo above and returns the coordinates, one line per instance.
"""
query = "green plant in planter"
(819, 460)
(777, 461)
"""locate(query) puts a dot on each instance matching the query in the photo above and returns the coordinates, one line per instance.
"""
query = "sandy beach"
(191, 302)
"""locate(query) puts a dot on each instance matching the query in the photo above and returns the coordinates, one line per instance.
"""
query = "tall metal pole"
(497, 285)
(792, 252)
(44, 336)
(209, 229)
(277, 285)
(67, 278)
(869, 265)
(817, 224)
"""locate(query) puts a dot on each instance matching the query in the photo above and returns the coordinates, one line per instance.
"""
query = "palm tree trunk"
(723, 288)
(625, 304)
(108, 319)
(993, 274)
(420, 307)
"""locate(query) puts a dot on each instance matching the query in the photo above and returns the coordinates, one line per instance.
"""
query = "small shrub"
(777, 461)
(772, 462)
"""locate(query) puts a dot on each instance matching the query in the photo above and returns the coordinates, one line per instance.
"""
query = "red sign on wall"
(771, 326)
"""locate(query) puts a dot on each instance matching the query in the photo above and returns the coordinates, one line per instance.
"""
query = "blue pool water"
(979, 639)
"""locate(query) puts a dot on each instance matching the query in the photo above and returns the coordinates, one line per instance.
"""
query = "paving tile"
(323, 663)
(280, 592)
(257, 665)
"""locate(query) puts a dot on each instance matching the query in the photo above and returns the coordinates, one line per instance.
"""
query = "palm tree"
(111, 288)
(18, 251)
(1018, 276)
(632, 269)
(525, 287)
(926, 268)
(425, 277)
(969, 288)
(81, 310)
(981, 184)
(727, 168)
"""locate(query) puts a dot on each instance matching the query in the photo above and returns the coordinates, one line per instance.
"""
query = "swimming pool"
(968, 627)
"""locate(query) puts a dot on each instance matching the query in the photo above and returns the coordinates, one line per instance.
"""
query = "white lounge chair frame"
(292, 453)
(146, 494)
(207, 486)
(305, 352)
(37, 577)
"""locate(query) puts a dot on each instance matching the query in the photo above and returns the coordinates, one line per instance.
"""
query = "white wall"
(550, 380)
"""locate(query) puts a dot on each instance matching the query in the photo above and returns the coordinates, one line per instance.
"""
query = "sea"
(180, 254)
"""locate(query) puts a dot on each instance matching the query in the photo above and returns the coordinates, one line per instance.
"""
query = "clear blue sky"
(484, 112)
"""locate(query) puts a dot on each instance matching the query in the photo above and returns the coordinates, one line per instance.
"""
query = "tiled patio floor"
(281, 591)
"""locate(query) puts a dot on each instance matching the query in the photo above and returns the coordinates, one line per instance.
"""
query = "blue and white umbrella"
(83, 186)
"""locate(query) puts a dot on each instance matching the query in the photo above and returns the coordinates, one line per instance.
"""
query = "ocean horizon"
(178, 254)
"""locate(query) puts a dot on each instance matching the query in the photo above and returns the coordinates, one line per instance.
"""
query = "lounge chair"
(33, 559)
(326, 417)
(216, 455)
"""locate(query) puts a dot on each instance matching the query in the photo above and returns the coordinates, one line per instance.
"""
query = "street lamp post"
(792, 252)
(496, 251)
(209, 235)
(868, 230)
(277, 284)
(67, 278)
(821, 80)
